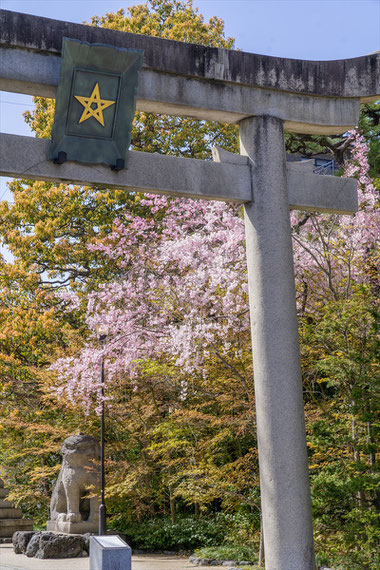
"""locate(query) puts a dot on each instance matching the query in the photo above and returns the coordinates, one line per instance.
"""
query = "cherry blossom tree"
(181, 297)
(178, 342)
(330, 251)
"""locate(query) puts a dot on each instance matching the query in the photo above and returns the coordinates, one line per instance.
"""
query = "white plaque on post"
(109, 553)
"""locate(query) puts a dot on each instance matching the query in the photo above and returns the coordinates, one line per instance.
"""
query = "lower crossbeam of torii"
(263, 96)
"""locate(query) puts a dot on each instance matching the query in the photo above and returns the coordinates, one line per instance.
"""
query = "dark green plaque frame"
(99, 132)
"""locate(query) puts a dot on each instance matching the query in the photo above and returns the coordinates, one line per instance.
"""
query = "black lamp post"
(102, 331)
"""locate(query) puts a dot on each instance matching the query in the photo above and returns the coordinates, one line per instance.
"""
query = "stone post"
(284, 480)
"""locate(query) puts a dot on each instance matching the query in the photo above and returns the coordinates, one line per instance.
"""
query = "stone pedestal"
(109, 553)
(10, 517)
(44, 545)
(82, 527)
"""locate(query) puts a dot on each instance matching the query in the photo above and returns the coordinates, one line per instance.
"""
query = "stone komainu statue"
(73, 507)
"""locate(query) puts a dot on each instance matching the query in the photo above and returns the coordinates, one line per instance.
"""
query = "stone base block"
(21, 539)
(109, 553)
(10, 513)
(10, 526)
(45, 545)
(72, 528)
(4, 504)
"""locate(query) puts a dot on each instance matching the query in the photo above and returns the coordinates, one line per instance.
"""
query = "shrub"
(228, 552)
(187, 533)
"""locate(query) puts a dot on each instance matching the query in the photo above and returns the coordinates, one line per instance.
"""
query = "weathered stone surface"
(60, 546)
(46, 545)
(228, 178)
(86, 541)
(10, 517)
(9, 526)
(146, 172)
(81, 527)
(70, 510)
(33, 545)
(197, 81)
(347, 78)
(284, 473)
(10, 513)
(22, 71)
(4, 504)
(21, 540)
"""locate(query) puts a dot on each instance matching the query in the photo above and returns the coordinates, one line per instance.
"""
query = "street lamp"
(102, 331)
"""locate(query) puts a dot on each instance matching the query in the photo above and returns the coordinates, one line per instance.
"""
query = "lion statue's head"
(79, 450)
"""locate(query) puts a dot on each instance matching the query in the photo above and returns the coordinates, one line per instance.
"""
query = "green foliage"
(342, 380)
(370, 126)
(228, 552)
(190, 532)
(185, 534)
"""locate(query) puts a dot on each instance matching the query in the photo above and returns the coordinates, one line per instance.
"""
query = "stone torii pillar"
(284, 475)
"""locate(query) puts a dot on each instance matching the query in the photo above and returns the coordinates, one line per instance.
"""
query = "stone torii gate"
(264, 95)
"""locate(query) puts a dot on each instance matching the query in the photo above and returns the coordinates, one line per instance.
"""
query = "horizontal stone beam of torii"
(228, 178)
(263, 95)
(214, 84)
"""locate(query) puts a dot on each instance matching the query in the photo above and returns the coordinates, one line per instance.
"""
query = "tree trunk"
(372, 462)
(360, 494)
(172, 504)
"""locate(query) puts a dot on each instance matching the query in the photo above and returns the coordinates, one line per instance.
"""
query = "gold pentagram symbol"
(94, 106)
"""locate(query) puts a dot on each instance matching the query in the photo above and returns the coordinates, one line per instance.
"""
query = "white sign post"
(109, 553)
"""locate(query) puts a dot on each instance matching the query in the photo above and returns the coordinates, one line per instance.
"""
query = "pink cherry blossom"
(182, 292)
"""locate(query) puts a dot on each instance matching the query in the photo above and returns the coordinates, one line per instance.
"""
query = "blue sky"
(304, 29)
